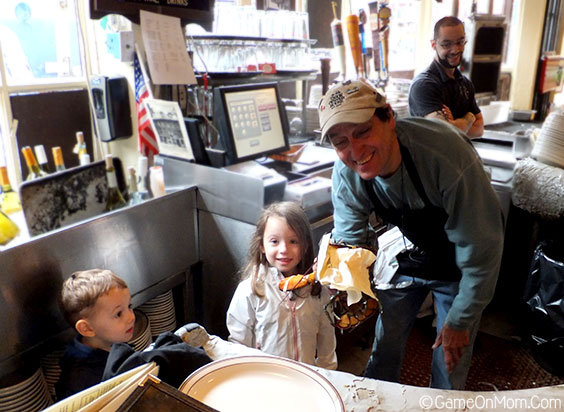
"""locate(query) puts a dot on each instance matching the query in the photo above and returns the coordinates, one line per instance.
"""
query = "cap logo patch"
(336, 99)
(352, 90)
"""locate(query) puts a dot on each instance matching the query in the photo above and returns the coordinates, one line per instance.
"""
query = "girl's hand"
(314, 266)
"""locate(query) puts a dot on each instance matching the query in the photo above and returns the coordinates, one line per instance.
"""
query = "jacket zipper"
(295, 331)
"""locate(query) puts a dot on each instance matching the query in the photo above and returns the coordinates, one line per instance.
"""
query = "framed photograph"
(276, 5)
(168, 123)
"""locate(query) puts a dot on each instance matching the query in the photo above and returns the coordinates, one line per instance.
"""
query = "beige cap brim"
(354, 116)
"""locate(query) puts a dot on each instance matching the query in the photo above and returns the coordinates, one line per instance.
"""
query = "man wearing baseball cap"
(423, 176)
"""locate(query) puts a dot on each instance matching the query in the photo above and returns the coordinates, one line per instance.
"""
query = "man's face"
(370, 149)
(449, 46)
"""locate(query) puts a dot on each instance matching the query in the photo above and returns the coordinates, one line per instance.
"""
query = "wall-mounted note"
(165, 47)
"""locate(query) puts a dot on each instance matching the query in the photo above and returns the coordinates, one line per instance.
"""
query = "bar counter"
(370, 395)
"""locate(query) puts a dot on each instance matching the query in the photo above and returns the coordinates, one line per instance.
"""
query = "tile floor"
(353, 349)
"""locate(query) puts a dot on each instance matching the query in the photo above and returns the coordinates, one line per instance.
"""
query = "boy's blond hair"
(82, 289)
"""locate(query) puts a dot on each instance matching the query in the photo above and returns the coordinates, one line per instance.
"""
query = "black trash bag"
(544, 292)
(549, 354)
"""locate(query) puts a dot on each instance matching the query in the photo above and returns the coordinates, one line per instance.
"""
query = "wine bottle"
(115, 199)
(32, 166)
(143, 168)
(134, 195)
(80, 146)
(42, 158)
(8, 229)
(58, 158)
(9, 200)
(84, 159)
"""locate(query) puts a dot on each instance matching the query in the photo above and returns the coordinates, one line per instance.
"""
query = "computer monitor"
(251, 121)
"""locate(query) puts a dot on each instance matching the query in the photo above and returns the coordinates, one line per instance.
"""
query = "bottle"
(80, 146)
(134, 195)
(84, 159)
(42, 158)
(58, 158)
(8, 229)
(32, 166)
(142, 167)
(9, 200)
(157, 181)
(115, 199)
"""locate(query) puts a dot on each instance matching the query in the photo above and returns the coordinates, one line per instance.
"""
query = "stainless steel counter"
(151, 246)
(228, 206)
(495, 148)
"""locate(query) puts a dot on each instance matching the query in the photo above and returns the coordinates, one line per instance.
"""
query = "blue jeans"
(399, 309)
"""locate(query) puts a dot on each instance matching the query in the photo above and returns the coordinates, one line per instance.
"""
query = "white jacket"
(298, 329)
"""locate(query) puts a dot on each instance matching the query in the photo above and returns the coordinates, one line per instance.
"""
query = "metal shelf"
(228, 78)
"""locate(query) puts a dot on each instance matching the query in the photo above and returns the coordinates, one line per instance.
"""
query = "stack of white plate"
(401, 108)
(29, 395)
(161, 313)
(315, 95)
(51, 368)
(312, 119)
(142, 337)
(549, 147)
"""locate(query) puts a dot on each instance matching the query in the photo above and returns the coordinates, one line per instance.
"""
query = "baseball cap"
(351, 101)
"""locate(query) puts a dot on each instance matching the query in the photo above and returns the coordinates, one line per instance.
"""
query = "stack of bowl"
(161, 313)
(549, 147)
(27, 395)
(50, 367)
(142, 337)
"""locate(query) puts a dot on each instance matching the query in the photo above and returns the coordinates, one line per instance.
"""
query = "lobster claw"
(296, 282)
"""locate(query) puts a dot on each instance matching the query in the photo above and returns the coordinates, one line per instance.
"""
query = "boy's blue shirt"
(83, 367)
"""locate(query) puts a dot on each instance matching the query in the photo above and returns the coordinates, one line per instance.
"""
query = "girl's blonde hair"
(82, 289)
(297, 220)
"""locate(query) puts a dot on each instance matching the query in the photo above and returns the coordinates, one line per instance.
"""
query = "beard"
(445, 63)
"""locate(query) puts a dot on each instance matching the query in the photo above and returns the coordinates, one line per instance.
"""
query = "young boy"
(97, 304)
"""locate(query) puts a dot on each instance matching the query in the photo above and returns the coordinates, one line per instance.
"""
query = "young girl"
(289, 324)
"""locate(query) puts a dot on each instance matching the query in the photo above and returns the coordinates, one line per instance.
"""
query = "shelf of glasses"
(220, 37)
(231, 78)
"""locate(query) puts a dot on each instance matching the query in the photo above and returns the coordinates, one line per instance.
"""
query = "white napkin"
(346, 269)
(390, 244)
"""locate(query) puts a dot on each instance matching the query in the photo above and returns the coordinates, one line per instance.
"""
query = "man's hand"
(447, 113)
(454, 343)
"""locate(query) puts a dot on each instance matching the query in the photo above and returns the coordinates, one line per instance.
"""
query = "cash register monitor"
(251, 121)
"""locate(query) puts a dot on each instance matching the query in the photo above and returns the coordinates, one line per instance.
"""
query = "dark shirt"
(433, 87)
(82, 366)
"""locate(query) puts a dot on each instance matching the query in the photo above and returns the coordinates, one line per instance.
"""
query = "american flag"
(147, 141)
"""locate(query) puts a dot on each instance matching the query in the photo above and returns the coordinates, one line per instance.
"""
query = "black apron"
(434, 256)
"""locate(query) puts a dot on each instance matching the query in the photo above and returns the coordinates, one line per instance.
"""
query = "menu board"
(189, 11)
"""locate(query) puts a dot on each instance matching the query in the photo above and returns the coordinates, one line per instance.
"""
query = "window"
(403, 31)
(42, 50)
(40, 41)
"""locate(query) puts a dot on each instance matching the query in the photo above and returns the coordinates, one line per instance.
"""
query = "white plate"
(259, 383)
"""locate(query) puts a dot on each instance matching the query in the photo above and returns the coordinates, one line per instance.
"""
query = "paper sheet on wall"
(165, 47)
